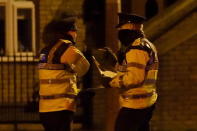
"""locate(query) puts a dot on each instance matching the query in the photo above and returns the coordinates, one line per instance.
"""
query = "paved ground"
(36, 127)
(30, 127)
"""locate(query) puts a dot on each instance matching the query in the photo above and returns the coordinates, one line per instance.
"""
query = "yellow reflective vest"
(59, 67)
(137, 75)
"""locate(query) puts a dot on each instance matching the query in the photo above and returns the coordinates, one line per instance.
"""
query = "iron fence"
(18, 89)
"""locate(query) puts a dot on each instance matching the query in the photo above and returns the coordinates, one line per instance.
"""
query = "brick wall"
(177, 86)
(177, 102)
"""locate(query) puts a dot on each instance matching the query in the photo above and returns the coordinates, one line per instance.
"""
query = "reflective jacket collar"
(70, 38)
(136, 42)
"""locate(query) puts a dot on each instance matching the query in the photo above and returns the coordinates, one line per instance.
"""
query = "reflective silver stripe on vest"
(51, 66)
(52, 51)
(137, 65)
(152, 66)
(53, 81)
(138, 96)
(132, 86)
(71, 96)
(149, 81)
(123, 68)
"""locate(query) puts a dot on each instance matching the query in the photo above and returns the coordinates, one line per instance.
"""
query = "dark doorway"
(151, 8)
(2, 30)
(126, 6)
(94, 19)
(167, 3)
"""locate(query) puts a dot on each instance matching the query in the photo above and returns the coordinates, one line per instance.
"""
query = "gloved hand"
(105, 81)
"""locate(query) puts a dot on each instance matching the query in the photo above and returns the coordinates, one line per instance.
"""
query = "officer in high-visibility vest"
(136, 75)
(61, 63)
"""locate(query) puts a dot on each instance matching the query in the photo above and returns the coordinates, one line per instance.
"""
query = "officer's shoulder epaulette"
(144, 45)
(66, 41)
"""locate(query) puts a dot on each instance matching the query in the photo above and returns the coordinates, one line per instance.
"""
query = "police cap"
(62, 25)
(68, 24)
(130, 18)
(58, 27)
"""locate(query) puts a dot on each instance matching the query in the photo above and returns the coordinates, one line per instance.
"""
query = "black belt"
(137, 96)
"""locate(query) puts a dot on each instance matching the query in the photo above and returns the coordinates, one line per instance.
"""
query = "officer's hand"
(105, 81)
(115, 82)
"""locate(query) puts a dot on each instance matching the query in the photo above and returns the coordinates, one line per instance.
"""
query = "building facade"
(170, 26)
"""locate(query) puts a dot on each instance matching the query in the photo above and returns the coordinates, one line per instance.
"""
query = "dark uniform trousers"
(57, 121)
(134, 119)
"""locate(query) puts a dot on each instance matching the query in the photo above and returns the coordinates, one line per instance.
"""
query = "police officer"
(60, 65)
(136, 75)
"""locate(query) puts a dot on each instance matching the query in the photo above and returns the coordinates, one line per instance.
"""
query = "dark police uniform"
(136, 77)
(60, 65)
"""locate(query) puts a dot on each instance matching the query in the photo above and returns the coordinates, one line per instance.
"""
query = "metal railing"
(18, 89)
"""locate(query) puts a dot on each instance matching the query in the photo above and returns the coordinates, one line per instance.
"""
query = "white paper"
(109, 74)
